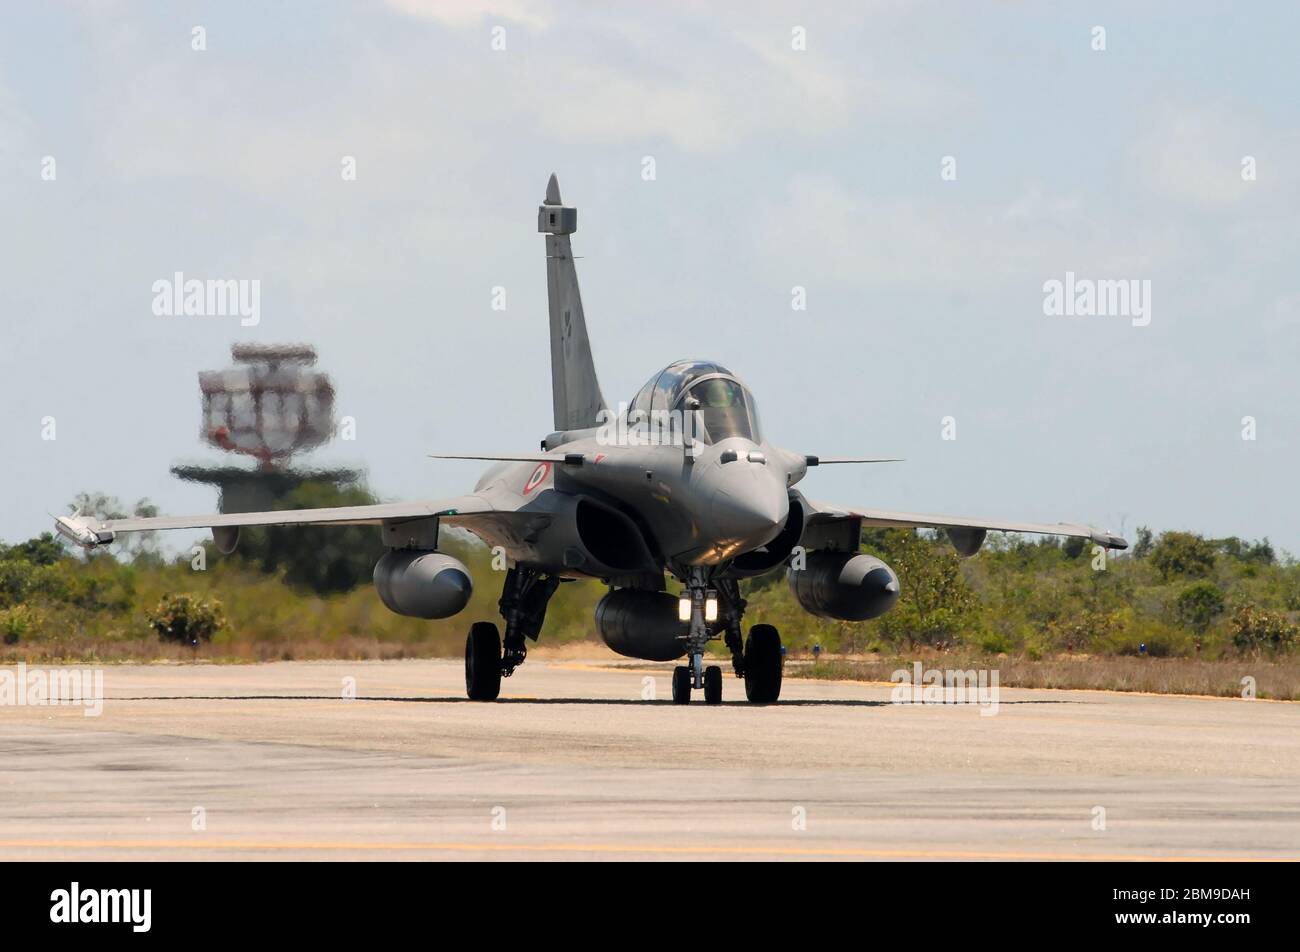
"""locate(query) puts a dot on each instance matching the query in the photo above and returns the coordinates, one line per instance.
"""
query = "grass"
(83, 650)
(1274, 679)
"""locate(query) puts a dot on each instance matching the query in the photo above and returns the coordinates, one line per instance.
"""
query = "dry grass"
(86, 649)
(141, 651)
(1275, 679)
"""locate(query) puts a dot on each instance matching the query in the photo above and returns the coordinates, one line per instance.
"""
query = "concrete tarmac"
(588, 760)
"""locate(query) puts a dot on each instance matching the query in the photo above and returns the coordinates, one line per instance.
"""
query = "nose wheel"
(681, 684)
(713, 684)
(683, 678)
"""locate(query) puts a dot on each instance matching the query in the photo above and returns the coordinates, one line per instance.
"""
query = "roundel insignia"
(539, 476)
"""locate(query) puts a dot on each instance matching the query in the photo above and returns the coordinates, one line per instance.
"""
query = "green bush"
(1183, 554)
(1078, 632)
(996, 642)
(17, 622)
(1198, 605)
(43, 550)
(16, 578)
(1255, 630)
(187, 619)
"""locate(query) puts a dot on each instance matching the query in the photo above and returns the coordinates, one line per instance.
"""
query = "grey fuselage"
(730, 498)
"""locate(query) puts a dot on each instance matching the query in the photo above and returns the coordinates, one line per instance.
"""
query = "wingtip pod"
(81, 531)
(1108, 540)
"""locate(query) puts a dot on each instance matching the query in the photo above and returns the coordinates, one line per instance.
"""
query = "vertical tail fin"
(575, 390)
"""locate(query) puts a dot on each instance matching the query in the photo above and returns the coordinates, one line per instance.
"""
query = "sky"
(720, 156)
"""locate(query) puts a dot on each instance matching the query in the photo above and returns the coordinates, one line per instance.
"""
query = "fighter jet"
(681, 482)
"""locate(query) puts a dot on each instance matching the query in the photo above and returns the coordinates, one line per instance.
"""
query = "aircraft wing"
(821, 513)
(89, 532)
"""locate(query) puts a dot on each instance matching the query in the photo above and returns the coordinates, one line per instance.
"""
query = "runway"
(576, 761)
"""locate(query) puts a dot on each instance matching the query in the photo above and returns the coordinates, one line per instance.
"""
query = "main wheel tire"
(763, 665)
(483, 662)
(713, 684)
(681, 685)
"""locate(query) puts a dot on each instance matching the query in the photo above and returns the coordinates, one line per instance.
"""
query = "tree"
(1261, 551)
(325, 560)
(43, 550)
(1079, 630)
(1255, 630)
(27, 570)
(131, 545)
(1142, 548)
(1198, 605)
(935, 604)
(1183, 554)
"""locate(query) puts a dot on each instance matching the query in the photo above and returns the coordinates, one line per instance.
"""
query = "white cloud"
(463, 14)
(688, 77)
(1193, 155)
(17, 130)
(609, 106)
(826, 232)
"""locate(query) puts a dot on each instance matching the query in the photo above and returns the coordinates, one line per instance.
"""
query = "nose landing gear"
(697, 636)
(758, 660)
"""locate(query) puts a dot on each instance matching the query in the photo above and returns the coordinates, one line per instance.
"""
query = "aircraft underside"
(639, 619)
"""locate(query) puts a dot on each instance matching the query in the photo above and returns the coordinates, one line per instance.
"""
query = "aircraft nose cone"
(750, 505)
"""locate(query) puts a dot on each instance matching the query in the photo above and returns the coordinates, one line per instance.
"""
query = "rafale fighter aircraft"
(680, 481)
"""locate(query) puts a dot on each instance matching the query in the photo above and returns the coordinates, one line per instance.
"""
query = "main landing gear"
(483, 662)
(757, 660)
(763, 665)
(523, 606)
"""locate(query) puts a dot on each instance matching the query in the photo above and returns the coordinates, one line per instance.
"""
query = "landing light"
(710, 608)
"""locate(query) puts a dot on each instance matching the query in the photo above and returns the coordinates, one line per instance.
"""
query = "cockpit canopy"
(726, 407)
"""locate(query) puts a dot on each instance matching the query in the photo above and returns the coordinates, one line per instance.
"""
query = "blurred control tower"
(270, 405)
